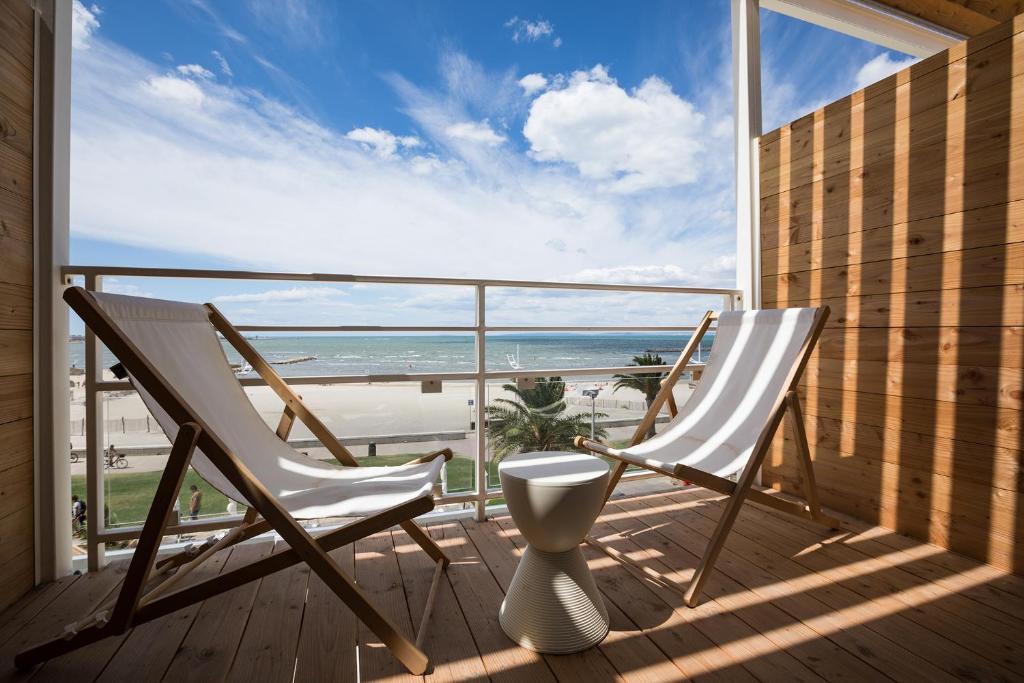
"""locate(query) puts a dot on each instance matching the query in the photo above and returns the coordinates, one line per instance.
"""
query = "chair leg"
(796, 421)
(707, 563)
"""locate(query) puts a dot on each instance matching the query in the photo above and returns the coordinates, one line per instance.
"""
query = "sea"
(406, 354)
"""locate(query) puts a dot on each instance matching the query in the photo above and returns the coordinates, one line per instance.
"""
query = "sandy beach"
(359, 410)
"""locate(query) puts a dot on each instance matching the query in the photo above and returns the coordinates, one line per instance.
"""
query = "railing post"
(94, 429)
(481, 403)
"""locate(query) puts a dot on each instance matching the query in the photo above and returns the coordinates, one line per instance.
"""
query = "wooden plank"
(15, 352)
(448, 642)
(15, 398)
(268, 646)
(981, 267)
(15, 171)
(501, 546)
(209, 648)
(15, 125)
(941, 629)
(966, 385)
(16, 442)
(971, 518)
(149, 648)
(963, 346)
(15, 307)
(19, 576)
(80, 599)
(857, 135)
(17, 27)
(775, 579)
(327, 643)
(480, 598)
(15, 488)
(378, 575)
(26, 608)
(951, 15)
(950, 66)
(16, 256)
(999, 468)
(629, 518)
(742, 644)
(974, 424)
(975, 307)
(16, 534)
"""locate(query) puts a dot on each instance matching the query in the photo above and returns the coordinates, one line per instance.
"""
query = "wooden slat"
(16, 25)
(15, 353)
(964, 346)
(327, 643)
(971, 385)
(16, 307)
(775, 578)
(982, 267)
(985, 227)
(16, 442)
(941, 627)
(1000, 468)
(15, 398)
(16, 257)
(19, 575)
(154, 644)
(973, 424)
(207, 652)
(448, 642)
(959, 17)
(974, 307)
(15, 488)
(378, 575)
(267, 649)
(480, 597)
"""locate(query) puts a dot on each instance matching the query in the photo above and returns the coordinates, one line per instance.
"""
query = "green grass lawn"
(129, 494)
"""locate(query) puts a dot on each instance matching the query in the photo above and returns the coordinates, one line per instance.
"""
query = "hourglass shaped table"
(553, 605)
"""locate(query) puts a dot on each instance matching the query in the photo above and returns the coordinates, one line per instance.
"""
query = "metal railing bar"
(124, 271)
(326, 380)
(468, 329)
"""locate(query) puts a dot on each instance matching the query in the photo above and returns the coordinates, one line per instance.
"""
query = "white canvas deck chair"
(171, 352)
(727, 425)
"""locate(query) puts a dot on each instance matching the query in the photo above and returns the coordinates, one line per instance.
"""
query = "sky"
(519, 140)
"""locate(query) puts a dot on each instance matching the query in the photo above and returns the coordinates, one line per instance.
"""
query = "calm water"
(351, 355)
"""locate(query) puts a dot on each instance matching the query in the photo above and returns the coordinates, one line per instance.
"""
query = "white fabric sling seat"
(726, 426)
(718, 426)
(182, 344)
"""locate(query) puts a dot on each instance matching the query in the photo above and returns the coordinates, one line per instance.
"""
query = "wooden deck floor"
(787, 603)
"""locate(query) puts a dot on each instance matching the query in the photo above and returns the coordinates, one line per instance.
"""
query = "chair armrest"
(446, 452)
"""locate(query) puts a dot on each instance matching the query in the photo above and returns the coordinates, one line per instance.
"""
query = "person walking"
(195, 502)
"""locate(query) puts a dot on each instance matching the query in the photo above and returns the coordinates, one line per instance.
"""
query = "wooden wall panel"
(17, 556)
(902, 208)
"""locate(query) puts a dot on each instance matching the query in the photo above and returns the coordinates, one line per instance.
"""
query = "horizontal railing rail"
(96, 384)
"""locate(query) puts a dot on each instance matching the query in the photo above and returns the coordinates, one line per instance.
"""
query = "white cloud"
(300, 22)
(476, 132)
(383, 143)
(525, 31)
(533, 83)
(112, 285)
(222, 62)
(84, 23)
(246, 181)
(195, 71)
(639, 140)
(291, 294)
(885, 64)
(174, 89)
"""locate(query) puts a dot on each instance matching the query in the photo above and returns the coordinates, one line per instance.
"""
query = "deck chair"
(172, 355)
(726, 427)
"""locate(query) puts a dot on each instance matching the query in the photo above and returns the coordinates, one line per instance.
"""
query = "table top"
(553, 468)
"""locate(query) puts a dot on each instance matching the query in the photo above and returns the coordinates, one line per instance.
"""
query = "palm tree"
(535, 420)
(647, 383)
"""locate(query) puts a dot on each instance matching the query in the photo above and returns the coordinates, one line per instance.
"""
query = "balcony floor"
(783, 605)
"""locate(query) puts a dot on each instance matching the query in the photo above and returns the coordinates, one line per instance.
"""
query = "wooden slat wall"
(902, 208)
(16, 102)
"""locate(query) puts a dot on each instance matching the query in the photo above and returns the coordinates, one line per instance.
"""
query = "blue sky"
(586, 141)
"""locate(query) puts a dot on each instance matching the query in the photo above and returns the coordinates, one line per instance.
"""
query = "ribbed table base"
(553, 605)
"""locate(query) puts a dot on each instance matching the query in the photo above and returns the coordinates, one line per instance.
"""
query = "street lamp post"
(592, 395)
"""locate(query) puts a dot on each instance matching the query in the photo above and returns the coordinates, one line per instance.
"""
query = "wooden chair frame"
(146, 591)
(787, 402)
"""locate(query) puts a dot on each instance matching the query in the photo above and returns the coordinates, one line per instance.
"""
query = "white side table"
(553, 605)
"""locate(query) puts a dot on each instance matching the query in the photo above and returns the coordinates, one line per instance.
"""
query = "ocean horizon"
(379, 354)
